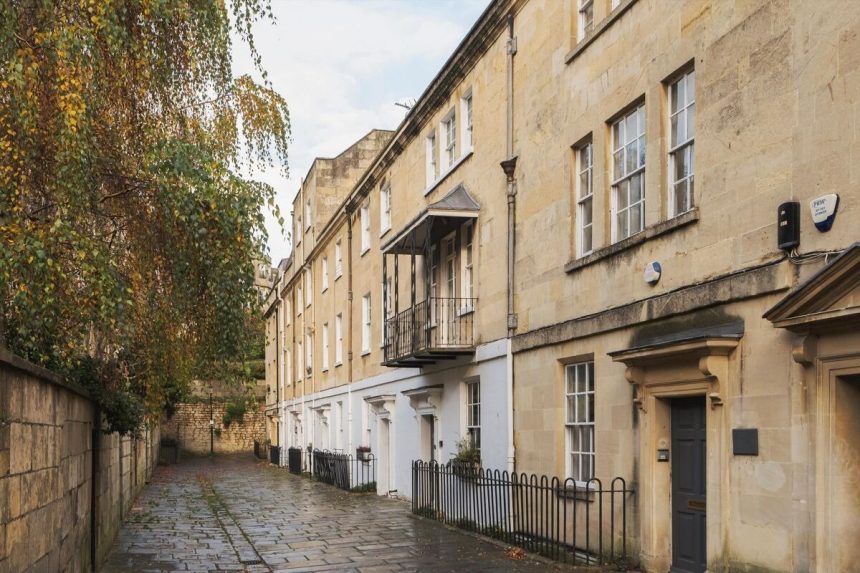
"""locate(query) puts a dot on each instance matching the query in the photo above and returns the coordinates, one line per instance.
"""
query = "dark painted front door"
(688, 484)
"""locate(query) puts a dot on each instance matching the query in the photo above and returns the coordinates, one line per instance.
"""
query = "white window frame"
(466, 134)
(338, 339)
(309, 286)
(309, 354)
(325, 363)
(366, 323)
(364, 215)
(449, 139)
(430, 161)
(579, 422)
(308, 218)
(288, 358)
(365, 424)
(681, 118)
(434, 283)
(300, 361)
(289, 305)
(585, 18)
(338, 260)
(467, 261)
(324, 272)
(623, 177)
(384, 208)
(584, 198)
(299, 300)
(387, 298)
(338, 421)
(473, 414)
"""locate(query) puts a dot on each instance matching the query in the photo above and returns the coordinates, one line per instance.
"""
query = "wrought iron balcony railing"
(434, 329)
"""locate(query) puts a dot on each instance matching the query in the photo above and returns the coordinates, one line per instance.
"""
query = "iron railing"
(560, 519)
(435, 324)
(345, 471)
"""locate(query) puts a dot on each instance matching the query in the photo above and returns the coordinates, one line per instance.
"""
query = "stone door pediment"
(830, 298)
(382, 406)
(425, 400)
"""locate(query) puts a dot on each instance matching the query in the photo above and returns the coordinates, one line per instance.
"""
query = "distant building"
(567, 257)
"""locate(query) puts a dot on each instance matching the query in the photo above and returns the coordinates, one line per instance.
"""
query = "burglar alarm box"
(788, 225)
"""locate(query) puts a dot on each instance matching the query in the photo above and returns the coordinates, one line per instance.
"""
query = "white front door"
(385, 460)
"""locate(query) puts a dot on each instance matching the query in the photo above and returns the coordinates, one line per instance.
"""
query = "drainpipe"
(509, 167)
(348, 326)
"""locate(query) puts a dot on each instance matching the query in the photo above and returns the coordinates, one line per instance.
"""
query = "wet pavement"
(235, 513)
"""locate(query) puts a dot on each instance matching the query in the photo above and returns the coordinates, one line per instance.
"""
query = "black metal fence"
(560, 519)
(345, 471)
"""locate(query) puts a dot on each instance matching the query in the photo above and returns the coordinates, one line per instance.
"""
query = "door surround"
(693, 367)
(427, 403)
(382, 407)
(824, 313)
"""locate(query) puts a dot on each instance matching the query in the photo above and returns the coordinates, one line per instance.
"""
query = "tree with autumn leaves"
(128, 224)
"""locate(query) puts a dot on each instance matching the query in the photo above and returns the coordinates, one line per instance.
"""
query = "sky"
(341, 65)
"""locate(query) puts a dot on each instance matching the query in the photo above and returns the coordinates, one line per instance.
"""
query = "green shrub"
(235, 412)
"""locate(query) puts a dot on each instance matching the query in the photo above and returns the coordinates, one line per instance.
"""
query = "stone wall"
(190, 427)
(46, 472)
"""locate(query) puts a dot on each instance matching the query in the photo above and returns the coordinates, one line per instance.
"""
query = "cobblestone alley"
(232, 513)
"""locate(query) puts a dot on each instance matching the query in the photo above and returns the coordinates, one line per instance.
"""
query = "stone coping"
(13, 360)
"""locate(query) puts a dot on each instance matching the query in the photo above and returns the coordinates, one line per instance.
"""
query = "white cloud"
(341, 66)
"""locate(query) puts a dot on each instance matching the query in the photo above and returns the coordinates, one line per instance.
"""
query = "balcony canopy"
(436, 220)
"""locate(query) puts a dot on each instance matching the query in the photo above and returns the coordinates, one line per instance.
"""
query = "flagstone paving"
(233, 513)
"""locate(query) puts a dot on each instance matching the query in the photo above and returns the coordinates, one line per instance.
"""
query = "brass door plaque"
(698, 504)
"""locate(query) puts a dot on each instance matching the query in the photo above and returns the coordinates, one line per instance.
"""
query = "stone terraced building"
(577, 255)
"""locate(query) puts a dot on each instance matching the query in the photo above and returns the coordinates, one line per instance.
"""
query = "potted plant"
(467, 461)
(363, 453)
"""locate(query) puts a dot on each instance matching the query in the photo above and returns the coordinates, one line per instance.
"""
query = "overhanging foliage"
(128, 233)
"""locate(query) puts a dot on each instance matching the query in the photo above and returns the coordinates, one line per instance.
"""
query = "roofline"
(471, 48)
(339, 155)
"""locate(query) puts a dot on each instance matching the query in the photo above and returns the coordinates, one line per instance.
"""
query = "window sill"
(365, 352)
(337, 364)
(323, 290)
(338, 276)
(596, 32)
(578, 492)
(364, 251)
(448, 170)
(384, 231)
(662, 228)
(324, 369)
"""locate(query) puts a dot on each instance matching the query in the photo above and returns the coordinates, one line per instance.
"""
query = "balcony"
(434, 329)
